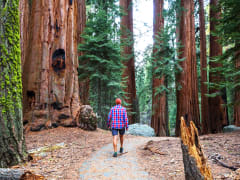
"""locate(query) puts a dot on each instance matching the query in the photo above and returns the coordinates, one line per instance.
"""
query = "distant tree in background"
(228, 34)
(187, 91)
(100, 59)
(12, 145)
(204, 72)
(127, 55)
(217, 112)
(84, 83)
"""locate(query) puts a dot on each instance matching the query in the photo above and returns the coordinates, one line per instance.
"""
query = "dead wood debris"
(150, 146)
(216, 158)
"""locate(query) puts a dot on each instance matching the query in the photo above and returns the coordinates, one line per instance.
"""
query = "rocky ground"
(67, 149)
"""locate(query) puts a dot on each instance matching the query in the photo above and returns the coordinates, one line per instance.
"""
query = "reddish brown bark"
(237, 94)
(50, 77)
(24, 26)
(128, 56)
(203, 60)
(187, 96)
(159, 119)
(217, 113)
(81, 23)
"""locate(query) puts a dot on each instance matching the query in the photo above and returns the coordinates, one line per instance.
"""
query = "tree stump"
(195, 164)
(87, 119)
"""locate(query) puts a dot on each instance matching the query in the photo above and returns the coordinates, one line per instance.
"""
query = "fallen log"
(195, 164)
(149, 146)
(18, 174)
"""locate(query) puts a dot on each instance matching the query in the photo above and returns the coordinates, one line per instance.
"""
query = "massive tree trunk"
(159, 101)
(217, 113)
(187, 93)
(128, 56)
(12, 146)
(50, 77)
(203, 60)
(81, 17)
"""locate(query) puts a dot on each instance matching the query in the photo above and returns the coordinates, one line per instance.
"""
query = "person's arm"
(109, 118)
(126, 119)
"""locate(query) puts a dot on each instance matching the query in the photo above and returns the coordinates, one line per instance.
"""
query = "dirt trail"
(125, 167)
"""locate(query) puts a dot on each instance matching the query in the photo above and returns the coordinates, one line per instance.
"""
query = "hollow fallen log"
(18, 174)
(195, 164)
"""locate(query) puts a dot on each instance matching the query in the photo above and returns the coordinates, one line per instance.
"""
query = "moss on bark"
(11, 132)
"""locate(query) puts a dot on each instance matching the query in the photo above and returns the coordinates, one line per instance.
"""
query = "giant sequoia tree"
(203, 60)
(187, 91)
(159, 99)
(128, 56)
(50, 77)
(12, 147)
(229, 37)
(81, 18)
(217, 113)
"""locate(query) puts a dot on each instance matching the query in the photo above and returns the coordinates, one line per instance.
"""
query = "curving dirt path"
(125, 167)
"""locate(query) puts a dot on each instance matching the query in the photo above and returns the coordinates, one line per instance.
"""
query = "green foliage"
(144, 82)
(163, 62)
(228, 33)
(101, 57)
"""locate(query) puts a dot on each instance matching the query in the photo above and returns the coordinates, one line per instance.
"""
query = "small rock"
(141, 130)
(231, 128)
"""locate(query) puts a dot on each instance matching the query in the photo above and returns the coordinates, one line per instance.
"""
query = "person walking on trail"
(117, 121)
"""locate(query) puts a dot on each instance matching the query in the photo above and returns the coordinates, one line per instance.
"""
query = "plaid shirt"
(118, 117)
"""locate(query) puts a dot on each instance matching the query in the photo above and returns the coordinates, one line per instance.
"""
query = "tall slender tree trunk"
(50, 77)
(237, 91)
(217, 113)
(204, 80)
(12, 144)
(81, 18)
(128, 56)
(187, 94)
(159, 101)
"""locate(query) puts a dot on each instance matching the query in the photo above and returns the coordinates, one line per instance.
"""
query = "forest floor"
(67, 151)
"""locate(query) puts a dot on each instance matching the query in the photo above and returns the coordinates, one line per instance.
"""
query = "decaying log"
(195, 164)
(149, 146)
(18, 174)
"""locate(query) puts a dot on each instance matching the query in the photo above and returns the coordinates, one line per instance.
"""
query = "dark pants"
(115, 131)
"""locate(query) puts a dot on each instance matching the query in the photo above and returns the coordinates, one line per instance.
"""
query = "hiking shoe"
(121, 150)
(115, 154)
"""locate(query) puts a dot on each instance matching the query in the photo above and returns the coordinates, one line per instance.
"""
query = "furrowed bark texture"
(12, 146)
(217, 113)
(159, 119)
(83, 84)
(204, 80)
(195, 164)
(128, 56)
(187, 91)
(50, 77)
